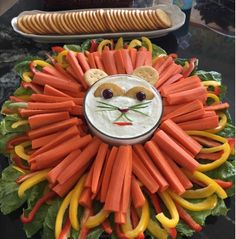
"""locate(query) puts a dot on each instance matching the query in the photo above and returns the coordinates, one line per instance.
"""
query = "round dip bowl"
(123, 119)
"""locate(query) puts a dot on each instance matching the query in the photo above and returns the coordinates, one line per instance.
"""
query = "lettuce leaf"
(3, 141)
(22, 91)
(228, 131)
(72, 47)
(95, 233)
(209, 75)
(9, 200)
(156, 51)
(183, 229)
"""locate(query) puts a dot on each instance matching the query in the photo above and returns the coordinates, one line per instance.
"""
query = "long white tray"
(176, 15)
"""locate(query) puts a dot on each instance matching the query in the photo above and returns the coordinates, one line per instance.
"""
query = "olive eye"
(141, 96)
(107, 94)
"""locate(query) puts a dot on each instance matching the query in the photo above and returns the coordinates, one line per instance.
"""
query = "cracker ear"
(93, 75)
(133, 91)
(147, 73)
(116, 90)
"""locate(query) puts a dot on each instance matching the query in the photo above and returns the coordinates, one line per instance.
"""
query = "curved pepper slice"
(27, 76)
(73, 209)
(156, 230)
(60, 58)
(170, 223)
(119, 44)
(148, 43)
(19, 123)
(20, 150)
(39, 177)
(222, 124)
(134, 43)
(210, 83)
(208, 203)
(199, 193)
(16, 140)
(208, 181)
(103, 43)
(143, 223)
(41, 63)
(60, 214)
(97, 219)
(214, 97)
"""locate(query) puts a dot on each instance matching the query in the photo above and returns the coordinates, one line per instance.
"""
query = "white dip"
(103, 121)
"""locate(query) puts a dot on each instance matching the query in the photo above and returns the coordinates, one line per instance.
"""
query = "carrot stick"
(206, 141)
(184, 109)
(120, 218)
(62, 136)
(138, 198)
(91, 61)
(54, 72)
(77, 142)
(171, 80)
(98, 165)
(45, 79)
(140, 58)
(143, 174)
(71, 58)
(127, 61)
(56, 171)
(177, 153)
(40, 142)
(169, 108)
(209, 156)
(26, 112)
(108, 61)
(88, 180)
(55, 99)
(99, 63)
(164, 166)
(52, 128)
(85, 199)
(179, 173)
(148, 60)
(139, 149)
(159, 61)
(166, 63)
(197, 114)
(221, 106)
(77, 110)
(49, 90)
(71, 72)
(204, 124)
(133, 56)
(173, 130)
(83, 61)
(84, 158)
(119, 62)
(40, 120)
(113, 197)
(169, 71)
(64, 72)
(47, 106)
(107, 173)
(209, 114)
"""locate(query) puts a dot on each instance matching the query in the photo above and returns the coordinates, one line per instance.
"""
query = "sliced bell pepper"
(210, 83)
(19, 169)
(97, 219)
(60, 58)
(103, 43)
(170, 223)
(35, 88)
(57, 49)
(18, 162)
(188, 71)
(19, 123)
(158, 232)
(36, 207)
(199, 193)
(73, 209)
(93, 46)
(60, 214)
(27, 76)
(84, 230)
(65, 233)
(231, 142)
(24, 177)
(224, 184)
(16, 140)
(41, 63)
(39, 177)
(214, 97)
(135, 43)
(20, 150)
(146, 41)
(222, 124)
(119, 44)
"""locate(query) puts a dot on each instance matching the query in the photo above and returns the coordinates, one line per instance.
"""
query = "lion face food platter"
(115, 16)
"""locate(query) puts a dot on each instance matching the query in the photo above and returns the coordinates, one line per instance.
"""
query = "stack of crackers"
(94, 21)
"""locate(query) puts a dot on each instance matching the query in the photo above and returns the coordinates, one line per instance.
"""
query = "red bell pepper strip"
(231, 142)
(32, 67)
(18, 162)
(57, 49)
(173, 55)
(94, 46)
(224, 184)
(107, 227)
(84, 230)
(15, 99)
(217, 90)
(35, 88)
(65, 233)
(23, 177)
(155, 202)
(119, 233)
(122, 123)
(16, 140)
(39, 203)
(188, 71)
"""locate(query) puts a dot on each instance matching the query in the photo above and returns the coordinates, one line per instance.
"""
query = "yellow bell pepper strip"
(222, 124)
(147, 43)
(73, 209)
(134, 43)
(187, 71)
(210, 83)
(39, 177)
(143, 223)
(20, 150)
(225, 146)
(171, 223)
(60, 214)
(41, 63)
(119, 44)
(214, 97)
(102, 44)
(156, 230)
(208, 203)
(27, 76)
(207, 181)
(60, 58)
(97, 219)
(19, 123)
(199, 193)
(19, 169)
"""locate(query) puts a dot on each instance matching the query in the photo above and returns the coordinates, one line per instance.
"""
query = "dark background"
(215, 51)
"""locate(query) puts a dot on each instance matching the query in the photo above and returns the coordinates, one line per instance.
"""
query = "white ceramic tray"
(176, 15)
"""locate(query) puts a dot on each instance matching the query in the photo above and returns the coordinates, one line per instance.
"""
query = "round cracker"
(44, 23)
(152, 18)
(148, 20)
(122, 13)
(68, 30)
(77, 17)
(93, 22)
(71, 22)
(86, 23)
(36, 24)
(116, 21)
(133, 23)
(157, 19)
(67, 20)
(21, 26)
(29, 25)
(109, 21)
(37, 19)
(58, 23)
(141, 20)
(135, 17)
(54, 24)
(100, 15)
(163, 17)
(94, 18)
